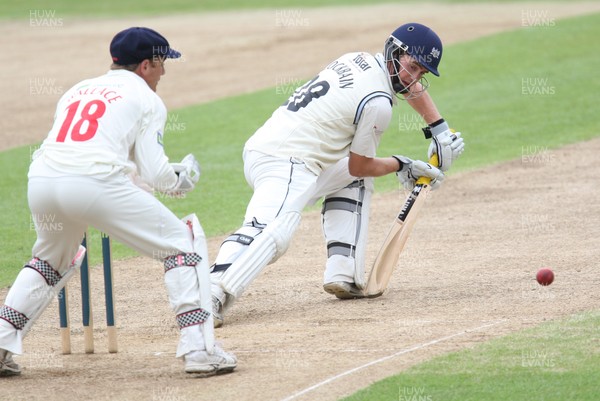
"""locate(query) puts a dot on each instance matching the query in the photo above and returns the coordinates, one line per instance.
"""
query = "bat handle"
(434, 162)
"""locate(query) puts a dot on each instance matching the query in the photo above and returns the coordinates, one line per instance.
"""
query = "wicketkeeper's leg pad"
(188, 284)
(35, 287)
(345, 221)
(182, 282)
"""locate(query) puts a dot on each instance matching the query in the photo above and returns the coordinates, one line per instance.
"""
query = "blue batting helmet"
(418, 41)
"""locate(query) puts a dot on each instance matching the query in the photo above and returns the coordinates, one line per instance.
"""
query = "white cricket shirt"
(346, 107)
(111, 123)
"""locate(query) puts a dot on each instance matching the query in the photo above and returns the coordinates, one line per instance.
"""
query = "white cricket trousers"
(63, 207)
(280, 185)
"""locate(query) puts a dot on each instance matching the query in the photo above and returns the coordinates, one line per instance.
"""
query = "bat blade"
(394, 243)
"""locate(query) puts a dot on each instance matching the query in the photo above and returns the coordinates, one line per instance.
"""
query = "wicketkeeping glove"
(446, 143)
(410, 171)
(188, 173)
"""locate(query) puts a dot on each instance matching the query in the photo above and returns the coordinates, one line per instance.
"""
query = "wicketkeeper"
(102, 155)
(322, 143)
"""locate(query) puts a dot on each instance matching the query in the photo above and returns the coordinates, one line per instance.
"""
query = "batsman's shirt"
(112, 123)
(321, 122)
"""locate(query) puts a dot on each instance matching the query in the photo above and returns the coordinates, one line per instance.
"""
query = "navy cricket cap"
(134, 45)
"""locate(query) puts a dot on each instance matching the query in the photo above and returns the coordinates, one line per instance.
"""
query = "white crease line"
(385, 358)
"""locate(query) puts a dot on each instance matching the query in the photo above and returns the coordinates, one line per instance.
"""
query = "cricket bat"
(392, 247)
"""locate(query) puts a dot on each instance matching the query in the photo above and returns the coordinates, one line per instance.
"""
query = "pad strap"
(254, 223)
(14, 317)
(356, 184)
(191, 318)
(340, 248)
(220, 268)
(183, 259)
(51, 276)
(347, 204)
(240, 239)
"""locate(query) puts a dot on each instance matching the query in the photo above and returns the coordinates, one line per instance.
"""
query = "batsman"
(321, 144)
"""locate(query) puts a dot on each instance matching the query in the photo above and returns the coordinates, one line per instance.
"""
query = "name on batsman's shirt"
(320, 122)
(111, 123)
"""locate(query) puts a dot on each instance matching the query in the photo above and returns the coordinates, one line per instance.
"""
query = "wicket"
(86, 304)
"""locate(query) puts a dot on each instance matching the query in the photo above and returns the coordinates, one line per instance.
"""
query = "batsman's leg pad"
(266, 248)
(234, 245)
(345, 221)
(31, 293)
(231, 248)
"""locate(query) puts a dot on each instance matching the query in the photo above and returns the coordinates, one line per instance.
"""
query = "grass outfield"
(507, 105)
(510, 94)
(513, 95)
(113, 8)
(556, 361)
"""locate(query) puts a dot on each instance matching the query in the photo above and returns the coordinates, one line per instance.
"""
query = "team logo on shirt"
(159, 138)
(361, 62)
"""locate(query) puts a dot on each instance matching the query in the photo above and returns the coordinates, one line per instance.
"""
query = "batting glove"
(446, 143)
(410, 171)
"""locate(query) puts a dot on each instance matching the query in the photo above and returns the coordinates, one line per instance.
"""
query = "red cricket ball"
(545, 276)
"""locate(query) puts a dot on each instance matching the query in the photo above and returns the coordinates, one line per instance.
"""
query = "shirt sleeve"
(149, 154)
(374, 120)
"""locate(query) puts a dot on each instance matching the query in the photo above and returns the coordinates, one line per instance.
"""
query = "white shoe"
(204, 364)
(217, 312)
(343, 290)
(8, 367)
